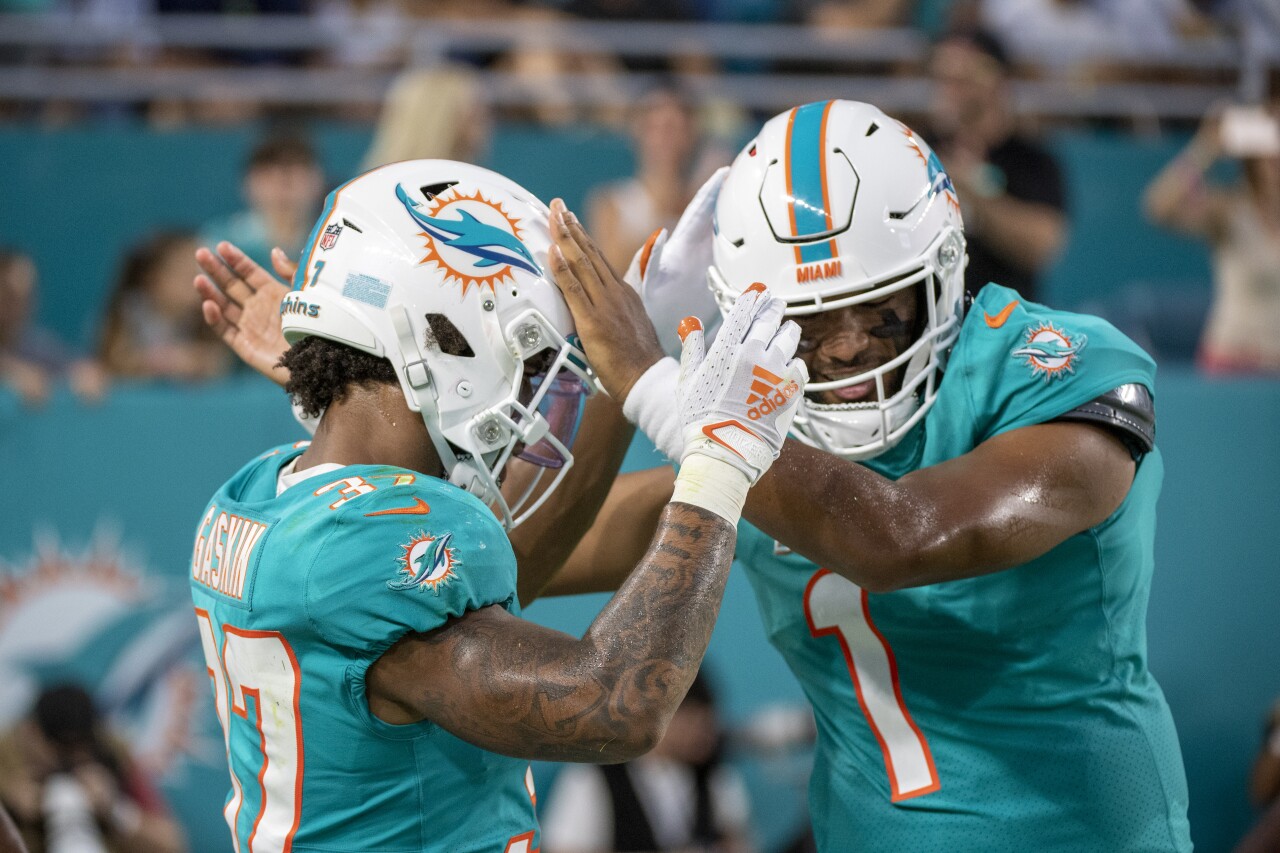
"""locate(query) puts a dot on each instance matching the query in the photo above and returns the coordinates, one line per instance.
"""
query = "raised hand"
(242, 304)
(670, 271)
(616, 334)
(738, 399)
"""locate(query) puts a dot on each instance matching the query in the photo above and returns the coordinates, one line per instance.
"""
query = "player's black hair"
(322, 372)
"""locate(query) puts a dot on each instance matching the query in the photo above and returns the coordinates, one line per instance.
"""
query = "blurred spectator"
(1065, 33)
(1264, 782)
(365, 33)
(154, 328)
(72, 788)
(1264, 791)
(560, 86)
(283, 184)
(10, 840)
(237, 7)
(692, 60)
(435, 113)
(242, 9)
(664, 134)
(862, 14)
(470, 9)
(681, 796)
(1010, 189)
(633, 10)
(1241, 222)
(1255, 22)
(32, 357)
(934, 18)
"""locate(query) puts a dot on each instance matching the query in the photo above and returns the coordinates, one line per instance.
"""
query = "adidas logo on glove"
(769, 391)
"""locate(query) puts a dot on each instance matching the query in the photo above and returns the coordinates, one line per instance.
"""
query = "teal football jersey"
(1008, 712)
(296, 596)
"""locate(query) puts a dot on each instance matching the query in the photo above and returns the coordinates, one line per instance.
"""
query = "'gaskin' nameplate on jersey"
(225, 558)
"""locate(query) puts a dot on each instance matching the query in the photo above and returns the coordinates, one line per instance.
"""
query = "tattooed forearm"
(513, 687)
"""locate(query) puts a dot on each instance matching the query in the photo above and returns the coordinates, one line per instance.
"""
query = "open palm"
(242, 304)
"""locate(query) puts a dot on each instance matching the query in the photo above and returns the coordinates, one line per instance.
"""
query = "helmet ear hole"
(447, 337)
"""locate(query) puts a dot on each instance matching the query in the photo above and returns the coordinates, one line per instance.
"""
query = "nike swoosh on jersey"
(419, 508)
(999, 320)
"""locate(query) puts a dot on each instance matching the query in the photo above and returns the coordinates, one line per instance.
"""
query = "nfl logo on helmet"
(330, 237)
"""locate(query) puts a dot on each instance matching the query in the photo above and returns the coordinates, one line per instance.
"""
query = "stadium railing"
(58, 57)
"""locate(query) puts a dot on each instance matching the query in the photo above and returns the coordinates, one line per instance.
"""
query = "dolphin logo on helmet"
(490, 244)
(490, 377)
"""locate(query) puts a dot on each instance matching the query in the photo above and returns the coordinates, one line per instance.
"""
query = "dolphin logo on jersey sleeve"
(1050, 351)
(427, 563)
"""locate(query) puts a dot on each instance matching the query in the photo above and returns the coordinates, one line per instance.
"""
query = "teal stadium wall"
(120, 485)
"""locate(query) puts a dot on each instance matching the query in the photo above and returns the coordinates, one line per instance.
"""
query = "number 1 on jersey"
(835, 605)
(260, 665)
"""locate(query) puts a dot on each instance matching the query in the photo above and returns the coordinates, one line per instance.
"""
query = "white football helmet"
(440, 267)
(836, 204)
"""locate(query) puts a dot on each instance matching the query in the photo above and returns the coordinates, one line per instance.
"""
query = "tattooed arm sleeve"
(513, 687)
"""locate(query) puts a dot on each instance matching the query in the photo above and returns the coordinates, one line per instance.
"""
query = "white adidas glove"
(670, 271)
(736, 402)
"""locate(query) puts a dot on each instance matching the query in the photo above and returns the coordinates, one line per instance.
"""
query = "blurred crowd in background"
(563, 61)
(1049, 33)
(971, 58)
(72, 786)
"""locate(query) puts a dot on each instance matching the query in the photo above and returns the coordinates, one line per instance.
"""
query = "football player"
(357, 595)
(954, 551)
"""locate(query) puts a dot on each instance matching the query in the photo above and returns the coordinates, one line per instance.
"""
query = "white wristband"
(651, 405)
(713, 484)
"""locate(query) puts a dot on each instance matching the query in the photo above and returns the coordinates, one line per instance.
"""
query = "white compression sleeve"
(714, 485)
(651, 405)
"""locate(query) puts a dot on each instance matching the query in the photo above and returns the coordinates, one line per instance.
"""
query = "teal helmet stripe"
(806, 179)
(309, 248)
